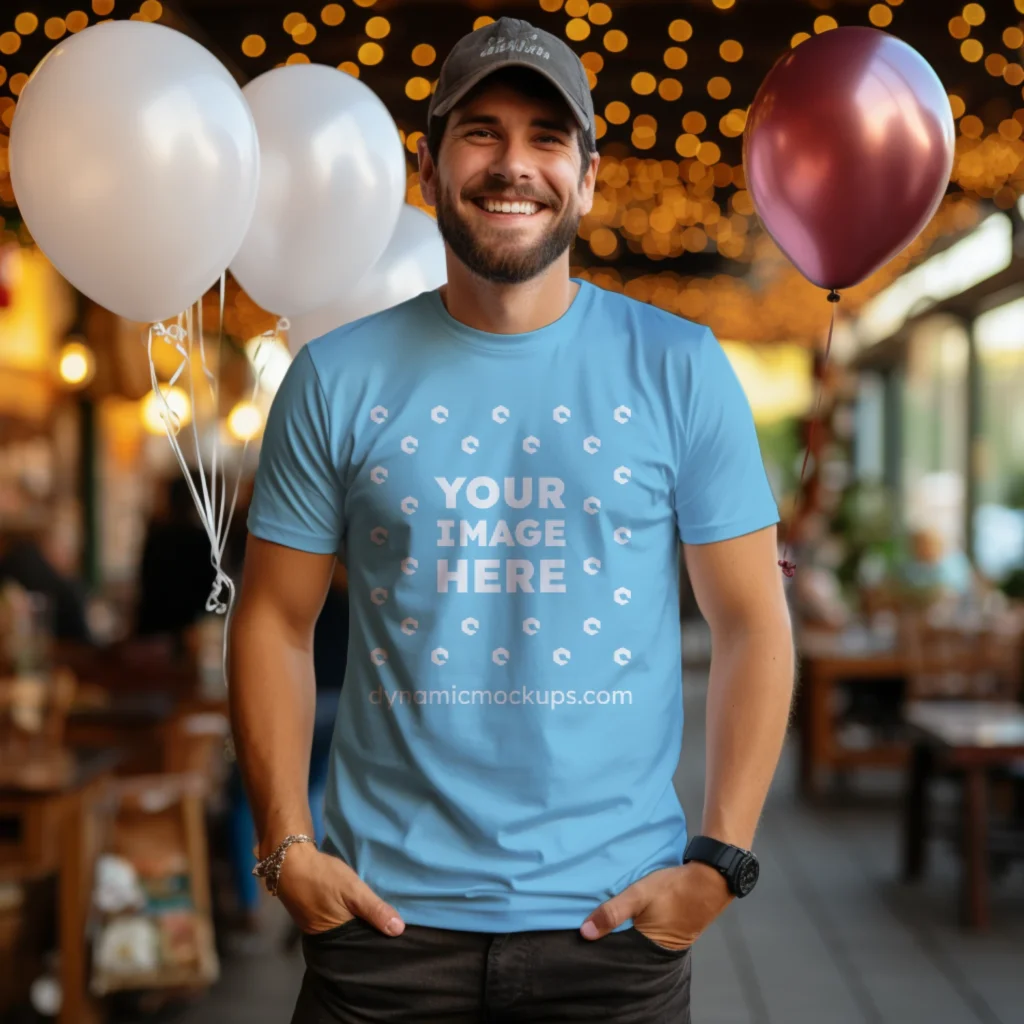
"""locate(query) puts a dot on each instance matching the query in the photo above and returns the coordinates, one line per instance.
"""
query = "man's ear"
(428, 172)
(588, 184)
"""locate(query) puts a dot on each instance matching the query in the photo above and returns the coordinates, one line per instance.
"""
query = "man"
(509, 465)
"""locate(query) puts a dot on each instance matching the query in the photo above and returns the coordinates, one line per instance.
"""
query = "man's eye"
(550, 138)
(479, 131)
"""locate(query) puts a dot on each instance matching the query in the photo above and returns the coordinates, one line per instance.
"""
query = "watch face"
(746, 876)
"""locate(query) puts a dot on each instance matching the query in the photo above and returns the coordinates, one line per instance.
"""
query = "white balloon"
(135, 164)
(332, 184)
(413, 262)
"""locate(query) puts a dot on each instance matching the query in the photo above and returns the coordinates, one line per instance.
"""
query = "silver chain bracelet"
(269, 869)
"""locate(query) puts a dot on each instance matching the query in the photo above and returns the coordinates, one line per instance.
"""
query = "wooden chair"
(950, 663)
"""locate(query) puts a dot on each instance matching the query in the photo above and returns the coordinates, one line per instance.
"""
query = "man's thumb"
(365, 903)
(612, 913)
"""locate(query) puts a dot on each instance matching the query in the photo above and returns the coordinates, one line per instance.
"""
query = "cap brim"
(445, 107)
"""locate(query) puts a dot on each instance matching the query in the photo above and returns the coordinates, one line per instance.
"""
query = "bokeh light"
(670, 89)
(958, 28)
(371, 53)
(77, 364)
(332, 15)
(161, 415)
(245, 421)
(254, 46)
(615, 41)
(719, 88)
(694, 122)
(995, 64)
(676, 58)
(423, 55)
(680, 30)
(974, 14)
(972, 50)
(577, 29)
(617, 112)
(880, 15)
(417, 88)
(644, 83)
(731, 50)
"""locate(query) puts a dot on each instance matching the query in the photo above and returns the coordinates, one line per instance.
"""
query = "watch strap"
(724, 857)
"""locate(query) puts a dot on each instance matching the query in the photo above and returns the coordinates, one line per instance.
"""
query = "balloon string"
(210, 498)
(785, 563)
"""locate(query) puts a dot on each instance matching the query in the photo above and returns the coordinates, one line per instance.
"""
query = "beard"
(503, 262)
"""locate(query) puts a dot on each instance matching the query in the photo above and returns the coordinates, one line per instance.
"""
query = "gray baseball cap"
(510, 42)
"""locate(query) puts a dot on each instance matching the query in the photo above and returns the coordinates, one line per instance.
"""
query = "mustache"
(496, 187)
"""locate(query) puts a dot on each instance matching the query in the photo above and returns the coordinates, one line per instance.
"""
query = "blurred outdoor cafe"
(125, 846)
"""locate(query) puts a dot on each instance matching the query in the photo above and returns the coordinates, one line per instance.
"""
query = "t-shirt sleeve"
(298, 495)
(721, 489)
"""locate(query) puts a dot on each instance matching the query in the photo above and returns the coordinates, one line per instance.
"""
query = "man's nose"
(512, 163)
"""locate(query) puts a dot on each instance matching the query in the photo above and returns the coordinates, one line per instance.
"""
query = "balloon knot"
(788, 568)
(833, 295)
(214, 602)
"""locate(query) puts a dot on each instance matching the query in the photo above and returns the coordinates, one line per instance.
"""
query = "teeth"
(504, 206)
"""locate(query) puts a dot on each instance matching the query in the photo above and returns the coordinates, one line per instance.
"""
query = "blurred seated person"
(24, 560)
(175, 573)
(935, 571)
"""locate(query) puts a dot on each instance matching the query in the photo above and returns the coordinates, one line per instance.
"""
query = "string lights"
(671, 184)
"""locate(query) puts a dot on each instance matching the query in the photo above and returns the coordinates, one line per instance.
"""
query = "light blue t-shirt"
(510, 509)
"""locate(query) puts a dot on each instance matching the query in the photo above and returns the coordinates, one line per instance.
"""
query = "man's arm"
(738, 587)
(273, 699)
(273, 692)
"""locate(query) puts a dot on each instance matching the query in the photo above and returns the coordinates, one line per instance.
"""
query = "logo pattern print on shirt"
(470, 445)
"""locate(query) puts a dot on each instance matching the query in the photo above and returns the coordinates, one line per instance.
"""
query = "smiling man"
(509, 465)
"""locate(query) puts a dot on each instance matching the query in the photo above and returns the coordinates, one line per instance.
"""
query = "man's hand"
(321, 892)
(672, 907)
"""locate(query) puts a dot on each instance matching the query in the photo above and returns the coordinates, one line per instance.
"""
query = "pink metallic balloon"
(847, 152)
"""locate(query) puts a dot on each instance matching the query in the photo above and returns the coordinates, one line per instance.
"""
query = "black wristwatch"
(737, 866)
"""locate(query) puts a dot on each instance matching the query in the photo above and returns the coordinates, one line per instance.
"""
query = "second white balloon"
(332, 184)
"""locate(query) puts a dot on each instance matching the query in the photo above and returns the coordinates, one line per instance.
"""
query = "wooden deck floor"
(828, 937)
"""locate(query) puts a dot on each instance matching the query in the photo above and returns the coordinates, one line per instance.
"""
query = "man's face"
(508, 188)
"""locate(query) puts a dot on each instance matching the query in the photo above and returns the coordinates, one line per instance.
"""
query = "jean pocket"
(335, 932)
(646, 940)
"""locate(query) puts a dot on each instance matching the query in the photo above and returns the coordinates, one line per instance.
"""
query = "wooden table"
(826, 660)
(50, 804)
(970, 738)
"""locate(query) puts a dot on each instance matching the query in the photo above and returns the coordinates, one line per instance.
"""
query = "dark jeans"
(436, 976)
